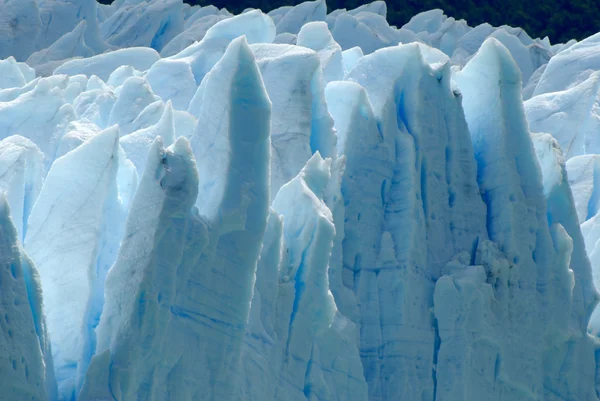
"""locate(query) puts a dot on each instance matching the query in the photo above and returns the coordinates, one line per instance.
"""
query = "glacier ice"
(21, 178)
(572, 116)
(26, 368)
(294, 205)
(104, 64)
(69, 46)
(73, 263)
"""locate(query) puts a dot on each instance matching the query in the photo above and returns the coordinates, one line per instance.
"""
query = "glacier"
(294, 205)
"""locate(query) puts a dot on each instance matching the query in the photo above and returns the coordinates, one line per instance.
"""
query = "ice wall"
(294, 206)
(26, 368)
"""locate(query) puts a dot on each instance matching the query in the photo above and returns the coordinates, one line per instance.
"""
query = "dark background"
(560, 20)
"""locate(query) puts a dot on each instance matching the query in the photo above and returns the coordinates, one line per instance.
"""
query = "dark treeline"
(560, 20)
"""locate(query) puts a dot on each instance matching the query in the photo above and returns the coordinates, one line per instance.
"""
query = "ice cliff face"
(293, 206)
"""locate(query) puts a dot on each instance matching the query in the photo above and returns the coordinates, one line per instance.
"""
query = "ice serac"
(309, 357)
(237, 150)
(350, 58)
(533, 82)
(293, 20)
(263, 343)
(193, 33)
(300, 123)
(368, 167)
(316, 36)
(40, 115)
(578, 347)
(377, 7)
(198, 13)
(121, 74)
(298, 347)
(21, 177)
(533, 324)
(61, 17)
(584, 180)
(11, 75)
(471, 41)
(428, 21)
(148, 23)
(413, 204)
(132, 98)
(95, 105)
(350, 31)
(103, 65)
(572, 116)
(138, 143)
(26, 371)
(77, 133)
(223, 120)
(73, 236)
(528, 57)
(70, 45)
(190, 275)
(141, 287)
(194, 62)
(571, 66)
(184, 122)
(19, 19)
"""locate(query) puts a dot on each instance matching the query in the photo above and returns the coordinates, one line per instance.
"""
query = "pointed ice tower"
(298, 346)
(411, 189)
(73, 235)
(142, 286)
(300, 123)
(26, 370)
(178, 296)
(137, 144)
(314, 341)
(40, 115)
(535, 325)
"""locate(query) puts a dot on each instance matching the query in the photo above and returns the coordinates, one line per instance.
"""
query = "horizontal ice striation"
(26, 371)
(322, 214)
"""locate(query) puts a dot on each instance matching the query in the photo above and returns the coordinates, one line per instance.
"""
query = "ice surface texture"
(294, 206)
